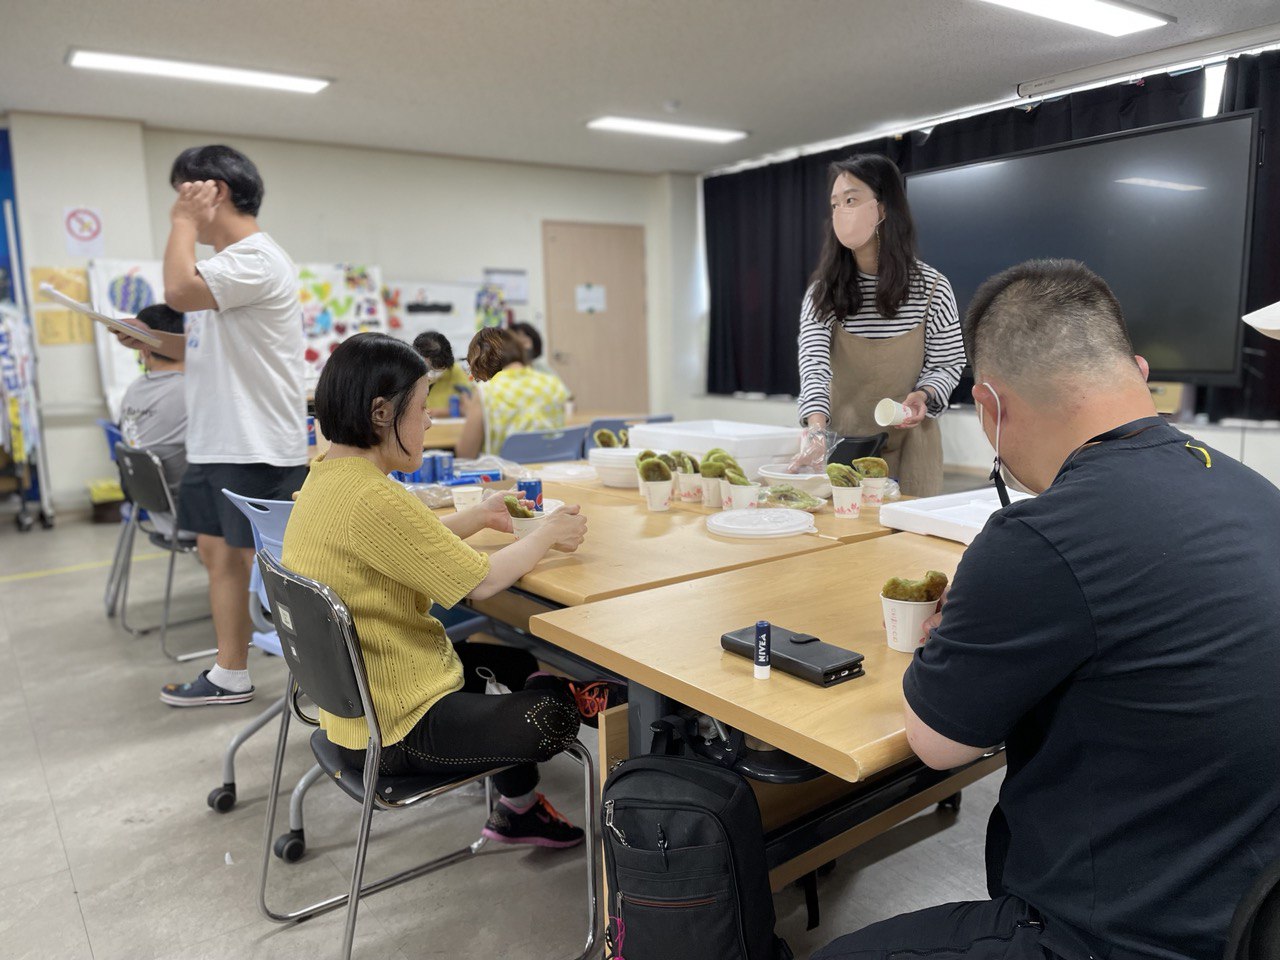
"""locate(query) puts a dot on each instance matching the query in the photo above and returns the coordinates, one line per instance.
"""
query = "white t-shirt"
(246, 399)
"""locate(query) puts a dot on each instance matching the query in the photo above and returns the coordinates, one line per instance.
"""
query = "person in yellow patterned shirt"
(389, 558)
(515, 397)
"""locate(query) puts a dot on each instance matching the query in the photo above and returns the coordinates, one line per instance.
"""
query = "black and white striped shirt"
(943, 342)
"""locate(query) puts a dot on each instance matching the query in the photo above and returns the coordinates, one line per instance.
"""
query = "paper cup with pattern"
(467, 496)
(657, 494)
(726, 495)
(689, 486)
(847, 502)
(712, 495)
(742, 496)
(873, 490)
(904, 622)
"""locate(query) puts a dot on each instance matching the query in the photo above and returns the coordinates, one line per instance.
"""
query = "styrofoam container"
(753, 445)
(954, 516)
(615, 466)
(814, 484)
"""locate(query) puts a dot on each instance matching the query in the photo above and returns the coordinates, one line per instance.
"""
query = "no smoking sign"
(82, 227)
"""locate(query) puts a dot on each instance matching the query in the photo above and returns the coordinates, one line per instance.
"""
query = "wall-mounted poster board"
(449, 308)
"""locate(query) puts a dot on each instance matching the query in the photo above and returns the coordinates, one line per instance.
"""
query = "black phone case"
(799, 654)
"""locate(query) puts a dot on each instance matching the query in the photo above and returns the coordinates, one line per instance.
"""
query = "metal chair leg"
(111, 593)
(592, 841)
(299, 794)
(164, 620)
(362, 847)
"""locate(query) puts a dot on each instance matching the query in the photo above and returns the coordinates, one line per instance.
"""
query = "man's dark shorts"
(202, 508)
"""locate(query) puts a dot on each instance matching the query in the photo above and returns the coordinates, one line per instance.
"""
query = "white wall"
(63, 162)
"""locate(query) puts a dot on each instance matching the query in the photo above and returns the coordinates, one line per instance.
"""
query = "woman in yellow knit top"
(515, 398)
(389, 559)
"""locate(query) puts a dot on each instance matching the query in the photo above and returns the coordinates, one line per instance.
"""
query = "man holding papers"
(246, 400)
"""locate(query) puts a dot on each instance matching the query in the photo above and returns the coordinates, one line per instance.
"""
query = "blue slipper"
(201, 692)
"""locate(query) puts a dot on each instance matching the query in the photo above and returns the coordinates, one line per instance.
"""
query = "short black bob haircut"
(434, 348)
(361, 369)
(217, 162)
(162, 317)
(535, 338)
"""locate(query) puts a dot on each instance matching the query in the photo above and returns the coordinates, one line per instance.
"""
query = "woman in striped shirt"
(899, 335)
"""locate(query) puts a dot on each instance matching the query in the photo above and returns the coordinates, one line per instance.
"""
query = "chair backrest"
(113, 435)
(849, 449)
(1254, 933)
(142, 479)
(544, 446)
(267, 517)
(617, 425)
(318, 640)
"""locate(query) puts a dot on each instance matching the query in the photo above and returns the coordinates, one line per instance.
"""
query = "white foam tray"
(954, 516)
(753, 445)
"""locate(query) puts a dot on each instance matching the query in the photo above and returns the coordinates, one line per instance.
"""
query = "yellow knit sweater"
(388, 558)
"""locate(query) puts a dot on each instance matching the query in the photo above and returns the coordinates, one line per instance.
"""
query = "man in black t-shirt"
(1118, 633)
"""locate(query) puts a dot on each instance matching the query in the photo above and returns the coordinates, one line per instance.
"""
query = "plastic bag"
(786, 496)
(434, 495)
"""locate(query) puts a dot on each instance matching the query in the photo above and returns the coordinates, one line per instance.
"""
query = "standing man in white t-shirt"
(246, 400)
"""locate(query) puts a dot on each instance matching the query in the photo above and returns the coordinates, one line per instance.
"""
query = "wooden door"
(597, 336)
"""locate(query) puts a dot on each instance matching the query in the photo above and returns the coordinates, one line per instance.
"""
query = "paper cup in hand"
(890, 413)
(657, 494)
(523, 526)
(847, 502)
(690, 487)
(873, 490)
(712, 496)
(904, 622)
(467, 496)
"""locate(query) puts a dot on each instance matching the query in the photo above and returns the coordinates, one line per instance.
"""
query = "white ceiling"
(518, 79)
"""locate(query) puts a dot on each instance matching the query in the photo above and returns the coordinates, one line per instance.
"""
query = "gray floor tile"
(41, 921)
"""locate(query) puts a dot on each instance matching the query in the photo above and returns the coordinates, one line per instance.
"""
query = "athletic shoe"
(539, 826)
(201, 692)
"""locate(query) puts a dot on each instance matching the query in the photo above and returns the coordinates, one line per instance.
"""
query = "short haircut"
(492, 350)
(535, 338)
(1044, 321)
(361, 369)
(434, 348)
(162, 317)
(217, 162)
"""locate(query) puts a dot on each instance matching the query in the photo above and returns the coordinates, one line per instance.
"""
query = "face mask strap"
(996, 478)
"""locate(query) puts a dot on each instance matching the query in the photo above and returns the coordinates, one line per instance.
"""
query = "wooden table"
(668, 640)
(629, 549)
(829, 525)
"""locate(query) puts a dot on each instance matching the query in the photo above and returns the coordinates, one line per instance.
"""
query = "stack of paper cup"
(904, 622)
(847, 502)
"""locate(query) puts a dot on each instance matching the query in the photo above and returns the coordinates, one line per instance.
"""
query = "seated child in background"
(153, 412)
(515, 398)
(389, 558)
(444, 374)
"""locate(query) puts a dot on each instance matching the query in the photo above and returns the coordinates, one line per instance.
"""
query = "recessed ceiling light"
(1115, 19)
(183, 70)
(1159, 184)
(655, 128)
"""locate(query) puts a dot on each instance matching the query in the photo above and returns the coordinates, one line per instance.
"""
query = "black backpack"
(684, 853)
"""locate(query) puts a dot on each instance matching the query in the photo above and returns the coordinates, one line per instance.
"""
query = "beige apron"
(864, 372)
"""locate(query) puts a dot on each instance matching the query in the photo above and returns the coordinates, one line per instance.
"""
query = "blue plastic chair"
(113, 434)
(544, 446)
(268, 518)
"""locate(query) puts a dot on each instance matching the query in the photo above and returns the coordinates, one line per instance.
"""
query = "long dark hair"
(835, 281)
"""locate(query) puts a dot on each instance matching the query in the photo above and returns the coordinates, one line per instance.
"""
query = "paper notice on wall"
(55, 328)
(514, 283)
(82, 229)
(72, 281)
(589, 298)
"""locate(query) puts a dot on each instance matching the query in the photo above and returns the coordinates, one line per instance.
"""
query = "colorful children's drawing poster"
(491, 306)
(338, 300)
(120, 288)
(447, 308)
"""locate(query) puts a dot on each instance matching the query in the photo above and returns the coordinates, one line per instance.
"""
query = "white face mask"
(433, 376)
(1001, 475)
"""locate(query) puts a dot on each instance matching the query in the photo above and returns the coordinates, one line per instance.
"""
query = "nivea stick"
(764, 641)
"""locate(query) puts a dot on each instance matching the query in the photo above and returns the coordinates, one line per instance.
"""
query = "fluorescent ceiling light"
(182, 70)
(1160, 184)
(1105, 16)
(654, 128)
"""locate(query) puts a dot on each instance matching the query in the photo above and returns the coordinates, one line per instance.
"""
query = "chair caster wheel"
(951, 803)
(290, 846)
(223, 798)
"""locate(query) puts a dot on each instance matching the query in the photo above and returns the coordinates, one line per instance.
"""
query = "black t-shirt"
(1120, 634)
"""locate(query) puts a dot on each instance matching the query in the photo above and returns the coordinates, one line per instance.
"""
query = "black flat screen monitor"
(1162, 214)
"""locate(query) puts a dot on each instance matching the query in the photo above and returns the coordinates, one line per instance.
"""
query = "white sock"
(523, 802)
(237, 681)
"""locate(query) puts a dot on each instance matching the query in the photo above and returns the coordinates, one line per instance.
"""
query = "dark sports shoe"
(594, 697)
(201, 692)
(539, 826)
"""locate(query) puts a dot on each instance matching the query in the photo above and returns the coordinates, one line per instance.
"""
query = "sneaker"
(594, 697)
(201, 692)
(540, 826)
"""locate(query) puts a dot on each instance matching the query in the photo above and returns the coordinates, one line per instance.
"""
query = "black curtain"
(1254, 83)
(764, 227)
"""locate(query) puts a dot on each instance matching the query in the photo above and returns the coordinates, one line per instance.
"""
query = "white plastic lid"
(759, 524)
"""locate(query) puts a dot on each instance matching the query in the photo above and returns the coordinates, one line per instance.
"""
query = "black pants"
(1006, 928)
(470, 731)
